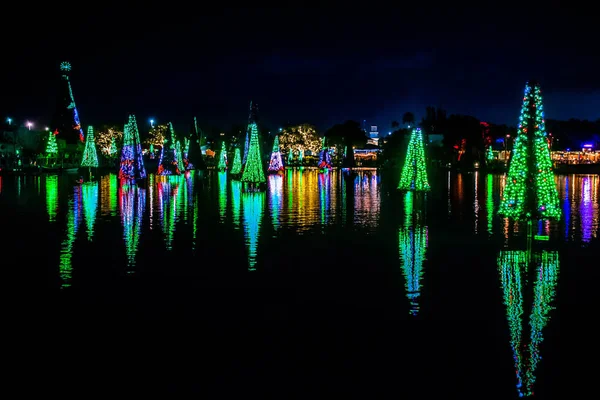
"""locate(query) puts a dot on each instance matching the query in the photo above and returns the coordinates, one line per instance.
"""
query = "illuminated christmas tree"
(51, 146)
(113, 147)
(178, 155)
(275, 165)
(167, 164)
(530, 191)
(324, 157)
(222, 166)
(90, 157)
(290, 157)
(489, 155)
(253, 170)
(66, 118)
(300, 156)
(414, 172)
(252, 119)
(236, 168)
(194, 157)
(132, 163)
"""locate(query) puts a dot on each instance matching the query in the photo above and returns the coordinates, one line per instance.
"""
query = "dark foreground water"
(319, 287)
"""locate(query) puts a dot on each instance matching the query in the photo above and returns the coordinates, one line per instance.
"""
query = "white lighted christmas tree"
(90, 156)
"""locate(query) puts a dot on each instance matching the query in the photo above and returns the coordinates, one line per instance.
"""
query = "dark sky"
(316, 65)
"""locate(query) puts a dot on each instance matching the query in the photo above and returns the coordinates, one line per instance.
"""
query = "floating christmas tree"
(252, 119)
(253, 170)
(414, 173)
(222, 166)
(236, 168)
(178, 155)
(300, 156)
(530, 191)
(290, 157)
(51, 146)
(66, 118)
(275, 165)
(194, 156)
(167, 164)
(324, 157)
(132, 163)
(90, 157)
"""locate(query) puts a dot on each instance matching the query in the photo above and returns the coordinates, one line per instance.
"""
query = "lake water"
(322, 286)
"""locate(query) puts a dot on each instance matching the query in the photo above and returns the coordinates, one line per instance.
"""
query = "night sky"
(321, 66)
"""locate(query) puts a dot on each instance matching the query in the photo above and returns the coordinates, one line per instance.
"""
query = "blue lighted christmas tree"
(324, 157)
(132, 163)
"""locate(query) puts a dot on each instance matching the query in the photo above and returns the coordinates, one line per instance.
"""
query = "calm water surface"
(320, 285)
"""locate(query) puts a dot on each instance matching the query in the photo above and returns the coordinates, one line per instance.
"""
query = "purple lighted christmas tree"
(276, 164)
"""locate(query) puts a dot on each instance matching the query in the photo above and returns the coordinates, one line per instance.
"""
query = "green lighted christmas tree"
(90, 157)
(222, 166)
(290, 157)
(113, 147)
(51, 146)
(414, 173)
(489, 155)
(530, 191)
(253, 170)
(236, 168)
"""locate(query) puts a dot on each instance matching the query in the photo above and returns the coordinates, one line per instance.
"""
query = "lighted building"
(373, 136)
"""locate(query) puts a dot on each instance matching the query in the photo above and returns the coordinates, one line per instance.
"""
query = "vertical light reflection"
(586, 209)
(290, 189)
(236, 198)
(52, 196)
(90, 206)
(324, 179)
(513, 266)
(222, 195)
(449, 194)
(412, 242)
(366, 199)
(490, 204)
(169, 206)
(476, 199)
(252, 209)
(151, 200)
(275, 199)
(567, 208)
(65, 268)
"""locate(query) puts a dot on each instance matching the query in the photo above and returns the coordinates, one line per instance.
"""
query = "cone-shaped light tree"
(132, 163)
(222, 166)
(194, 156)
(236, 167)
(253, 170)
(290, 157)
(90, 156)
(167, 164)
(530, 191)
(276, 164)
(252, 119)
(489, 155)
(324, 157)
(113, 147)
(414, 172)
(51, 146)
